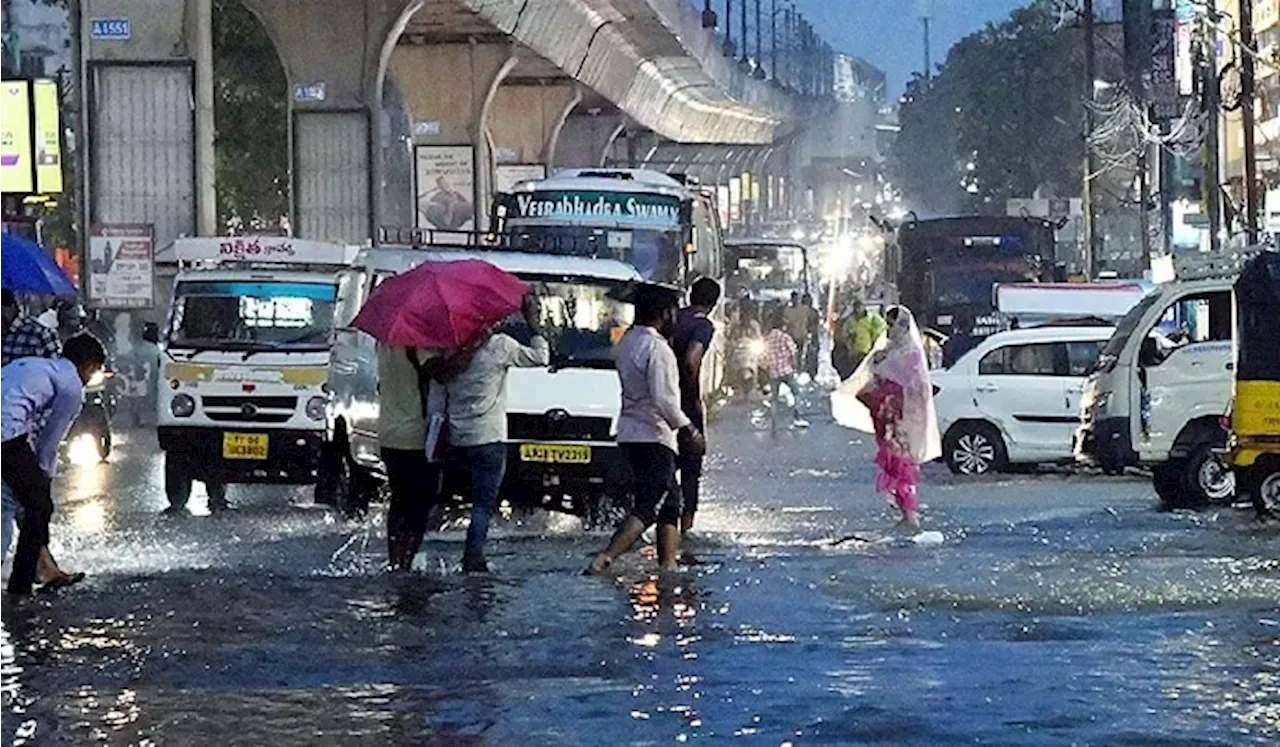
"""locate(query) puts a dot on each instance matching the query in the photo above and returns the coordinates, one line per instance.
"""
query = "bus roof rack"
(596, 245)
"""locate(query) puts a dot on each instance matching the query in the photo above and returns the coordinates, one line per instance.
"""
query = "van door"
(1192, 379)
(353, 366)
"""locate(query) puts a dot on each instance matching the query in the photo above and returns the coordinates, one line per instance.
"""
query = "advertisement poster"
(509, 175)
(48, 145)
(121, 266)
(16, 173)
(445, 179)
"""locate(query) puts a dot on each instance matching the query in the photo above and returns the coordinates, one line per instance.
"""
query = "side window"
(1041, 359)
(1082, 355)
(1203, 317)
(350, 297)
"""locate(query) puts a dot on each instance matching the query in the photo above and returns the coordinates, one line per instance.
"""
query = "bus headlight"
(182, 405)
(315, 408)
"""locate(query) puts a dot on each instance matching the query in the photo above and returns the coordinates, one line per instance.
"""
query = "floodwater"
(1057, 610)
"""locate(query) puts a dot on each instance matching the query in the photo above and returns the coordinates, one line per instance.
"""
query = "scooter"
(95, 417)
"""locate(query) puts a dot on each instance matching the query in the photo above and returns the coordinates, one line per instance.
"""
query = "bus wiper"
(269, 347)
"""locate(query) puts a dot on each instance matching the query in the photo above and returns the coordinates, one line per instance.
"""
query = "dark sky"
(887, 33)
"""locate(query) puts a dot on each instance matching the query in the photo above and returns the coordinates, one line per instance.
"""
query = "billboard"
(445, 181)
(121, 266)
(16, 171)
(48, 137)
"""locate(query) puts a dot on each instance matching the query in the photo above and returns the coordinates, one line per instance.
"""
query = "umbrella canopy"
(440, 305)
(26, 268)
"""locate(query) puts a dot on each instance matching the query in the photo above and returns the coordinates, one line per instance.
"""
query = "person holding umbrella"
(437, 319)
(476, 403)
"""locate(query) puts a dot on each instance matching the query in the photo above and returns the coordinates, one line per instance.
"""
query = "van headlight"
(182, 405)
(315, 408)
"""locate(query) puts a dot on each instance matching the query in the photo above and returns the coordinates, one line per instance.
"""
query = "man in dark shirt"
(691, 340)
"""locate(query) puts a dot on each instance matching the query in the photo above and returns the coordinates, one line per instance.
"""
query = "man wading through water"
(651, 427)
(691, 340)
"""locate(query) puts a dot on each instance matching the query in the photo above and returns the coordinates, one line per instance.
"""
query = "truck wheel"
(328, 473)
(354, 488)
(1167, 480)
(1207, 478)
(177, 480)
(974, 449)
(217, 491)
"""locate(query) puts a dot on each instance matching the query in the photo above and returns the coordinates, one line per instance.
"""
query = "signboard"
(260, 249)
(507, 176)
(16, 172)
(121, 266)
(48, 143)
(110, 29)
(309, 91)
(1163, 91)
(445, 181)
(629, 209)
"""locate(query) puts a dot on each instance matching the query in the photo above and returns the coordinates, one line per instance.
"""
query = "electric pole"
(1090, 75)
(1247, 122)
(1213, 108)
(925, 11)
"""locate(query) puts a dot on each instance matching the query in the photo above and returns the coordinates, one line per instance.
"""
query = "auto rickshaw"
(1253, 445)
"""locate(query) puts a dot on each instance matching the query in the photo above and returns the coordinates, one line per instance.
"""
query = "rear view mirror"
(151, 332)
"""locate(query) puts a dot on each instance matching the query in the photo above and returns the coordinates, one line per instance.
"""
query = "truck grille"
(557, 426)
(249, 409)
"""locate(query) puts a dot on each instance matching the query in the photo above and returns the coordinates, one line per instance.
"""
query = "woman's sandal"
(61, 582)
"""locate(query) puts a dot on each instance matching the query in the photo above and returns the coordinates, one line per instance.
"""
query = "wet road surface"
(1058, 610)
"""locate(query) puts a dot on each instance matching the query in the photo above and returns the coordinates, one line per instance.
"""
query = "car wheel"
(1207, 478)
(975, 449)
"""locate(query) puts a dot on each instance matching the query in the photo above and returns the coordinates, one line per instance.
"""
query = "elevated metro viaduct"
(384, 94)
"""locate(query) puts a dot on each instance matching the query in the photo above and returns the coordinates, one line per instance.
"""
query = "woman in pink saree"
(891, 396)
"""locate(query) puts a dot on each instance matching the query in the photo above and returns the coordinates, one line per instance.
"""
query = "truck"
(562, 419)
(244, 357)
(1161, 385)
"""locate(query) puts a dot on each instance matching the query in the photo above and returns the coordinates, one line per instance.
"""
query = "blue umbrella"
(26, 268)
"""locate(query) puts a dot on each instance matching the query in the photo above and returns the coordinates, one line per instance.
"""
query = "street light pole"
(1246, 110)
(1090, 217)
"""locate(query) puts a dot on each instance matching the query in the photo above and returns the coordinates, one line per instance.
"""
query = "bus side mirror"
(151, 332)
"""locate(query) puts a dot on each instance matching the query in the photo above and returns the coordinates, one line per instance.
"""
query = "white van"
(243, 360)
(573, 403)
(1162, 384)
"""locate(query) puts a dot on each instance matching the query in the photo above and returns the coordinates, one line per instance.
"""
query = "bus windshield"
(656, 254)
(252, 315)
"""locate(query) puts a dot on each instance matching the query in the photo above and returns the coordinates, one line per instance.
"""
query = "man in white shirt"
(477, 414)
(651, 428)
(39, 400)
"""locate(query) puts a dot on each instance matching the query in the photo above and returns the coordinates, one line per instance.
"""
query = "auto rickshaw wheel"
(1262, 482)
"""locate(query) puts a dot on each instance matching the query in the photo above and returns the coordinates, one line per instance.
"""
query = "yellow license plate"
(555, 453)
(244, 446)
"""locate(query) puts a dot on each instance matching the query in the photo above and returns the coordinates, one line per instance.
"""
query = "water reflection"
(666, 633)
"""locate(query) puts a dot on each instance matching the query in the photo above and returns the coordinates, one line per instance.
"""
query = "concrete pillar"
(526, 118)
(449, 90)
(585, 137)
(334, 54)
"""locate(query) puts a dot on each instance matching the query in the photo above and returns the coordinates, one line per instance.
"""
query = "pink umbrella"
(441, 305)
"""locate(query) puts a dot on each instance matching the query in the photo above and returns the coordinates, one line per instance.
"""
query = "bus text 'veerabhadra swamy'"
(622, 207)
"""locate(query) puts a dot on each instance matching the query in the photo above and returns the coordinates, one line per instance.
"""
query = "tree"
(251, 115)
(1002, 118)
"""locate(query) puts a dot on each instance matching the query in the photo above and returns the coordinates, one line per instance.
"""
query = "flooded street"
(1057, 610)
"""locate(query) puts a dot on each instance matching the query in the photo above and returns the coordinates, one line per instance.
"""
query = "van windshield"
(580, 318)
(1128, 324)
(252, 315)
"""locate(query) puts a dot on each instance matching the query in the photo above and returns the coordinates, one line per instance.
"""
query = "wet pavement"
(1057, 610)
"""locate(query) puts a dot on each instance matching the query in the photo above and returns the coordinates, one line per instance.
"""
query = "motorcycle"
(94, 421)
(745, 370)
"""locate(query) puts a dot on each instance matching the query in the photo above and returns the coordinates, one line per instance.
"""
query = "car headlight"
(182, 405)
(315, 408)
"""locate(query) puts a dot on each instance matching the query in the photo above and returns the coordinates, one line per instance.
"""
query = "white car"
(1015, 398)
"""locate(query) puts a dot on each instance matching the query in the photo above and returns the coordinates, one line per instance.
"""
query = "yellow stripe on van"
(305, 375)
(186, 372)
